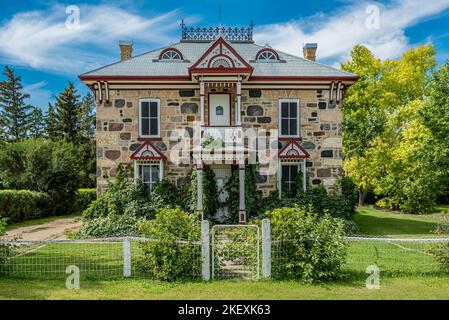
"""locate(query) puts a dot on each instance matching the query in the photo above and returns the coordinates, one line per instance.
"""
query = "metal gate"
(235, 252)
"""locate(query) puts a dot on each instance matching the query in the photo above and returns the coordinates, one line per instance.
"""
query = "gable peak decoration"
(221, 57)
(292, 150)
(147, 151)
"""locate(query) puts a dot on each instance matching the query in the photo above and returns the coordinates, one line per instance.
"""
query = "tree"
(387, 147)
(15, 117)
(51, 125)
(86, 118)
(66, 114)
(37, 124)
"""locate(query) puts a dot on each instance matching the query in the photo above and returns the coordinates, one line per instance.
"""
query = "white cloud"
(39, 95)
(337, 32)
(40, 39)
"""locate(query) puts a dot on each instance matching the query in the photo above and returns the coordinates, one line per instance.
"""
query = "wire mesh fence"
(99, 258)
(393, 257)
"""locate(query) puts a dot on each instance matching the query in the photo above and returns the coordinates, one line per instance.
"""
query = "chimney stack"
(309, 51)
(126, 50)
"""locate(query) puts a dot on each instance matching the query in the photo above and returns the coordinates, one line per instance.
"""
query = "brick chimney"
(126, 50)
(309, 51)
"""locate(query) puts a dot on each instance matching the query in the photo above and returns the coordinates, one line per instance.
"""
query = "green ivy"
(210, 193)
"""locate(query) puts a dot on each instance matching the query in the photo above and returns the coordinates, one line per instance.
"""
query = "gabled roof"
(148, 64)
(292, 150)
(147, 151)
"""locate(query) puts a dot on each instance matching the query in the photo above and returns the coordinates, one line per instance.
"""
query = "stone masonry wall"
(117, 130)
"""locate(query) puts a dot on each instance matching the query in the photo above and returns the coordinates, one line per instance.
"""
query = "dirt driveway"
(50, 230)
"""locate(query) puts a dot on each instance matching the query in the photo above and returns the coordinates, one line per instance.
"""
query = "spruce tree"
(14, 112)
(86, 118)
(66, 113)
(37, 124)
(51, 125)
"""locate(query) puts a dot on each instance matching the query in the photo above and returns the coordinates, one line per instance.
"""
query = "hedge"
(21, 205)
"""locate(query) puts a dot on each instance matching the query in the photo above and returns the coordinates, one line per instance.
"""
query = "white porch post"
(239, 99)
(279, 178)
(161, 170)
(242, 210)
(199, 187)
(304, 175)
(136, 172)
(202, 93)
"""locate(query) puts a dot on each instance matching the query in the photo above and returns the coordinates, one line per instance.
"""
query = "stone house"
(218, 99)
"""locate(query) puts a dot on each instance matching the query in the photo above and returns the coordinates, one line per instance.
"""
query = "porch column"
(136, 172)
(238, 121)
(304, 175)
(242, 210)
(202, 93)
(199, 189)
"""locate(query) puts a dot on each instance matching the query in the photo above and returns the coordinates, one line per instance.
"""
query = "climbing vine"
(210, 193)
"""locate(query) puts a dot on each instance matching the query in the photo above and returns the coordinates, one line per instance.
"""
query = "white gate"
(235, 252)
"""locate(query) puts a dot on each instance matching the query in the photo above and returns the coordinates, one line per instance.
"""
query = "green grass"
(374, 222)
(36, 222)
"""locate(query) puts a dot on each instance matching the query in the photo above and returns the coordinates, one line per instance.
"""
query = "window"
(171, 55)
(219, 110)
(267, 55)
(149, 118)
(289, 118)
(149, 175)
(289, 174)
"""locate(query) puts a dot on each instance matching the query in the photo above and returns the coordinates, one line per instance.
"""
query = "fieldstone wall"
(117, 130)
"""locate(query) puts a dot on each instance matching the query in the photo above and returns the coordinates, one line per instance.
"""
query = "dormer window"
(268, 55)
(171, 54)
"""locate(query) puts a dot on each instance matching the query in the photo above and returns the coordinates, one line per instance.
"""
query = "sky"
(50, 43)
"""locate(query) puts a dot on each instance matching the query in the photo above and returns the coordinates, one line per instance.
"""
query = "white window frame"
(298, 120)
(158, 101)
(138, 169)
(302, 164)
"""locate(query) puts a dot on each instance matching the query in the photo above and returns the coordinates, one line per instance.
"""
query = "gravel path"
(46, 231)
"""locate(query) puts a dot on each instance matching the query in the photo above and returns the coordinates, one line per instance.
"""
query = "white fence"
(231, 253)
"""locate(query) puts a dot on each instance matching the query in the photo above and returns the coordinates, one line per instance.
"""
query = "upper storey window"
(268, 55)
(171, 54)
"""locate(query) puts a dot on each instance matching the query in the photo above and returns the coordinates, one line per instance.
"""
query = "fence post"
(205, 250)
(127, 257)
(266, 248)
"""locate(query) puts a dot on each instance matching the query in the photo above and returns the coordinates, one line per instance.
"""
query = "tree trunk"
(362, 196)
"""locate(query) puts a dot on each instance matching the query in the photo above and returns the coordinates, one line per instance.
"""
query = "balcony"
(222, 144)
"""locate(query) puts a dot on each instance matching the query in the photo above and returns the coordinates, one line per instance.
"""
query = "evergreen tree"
(15, 113)
(37, 124)
(66, 114)
(51, 126)
(86, 118)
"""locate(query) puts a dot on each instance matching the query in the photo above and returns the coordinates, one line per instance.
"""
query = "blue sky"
(35, 39)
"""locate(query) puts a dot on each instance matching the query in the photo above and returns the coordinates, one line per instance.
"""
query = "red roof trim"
(159, 155)
(302, 78)
(292, 141)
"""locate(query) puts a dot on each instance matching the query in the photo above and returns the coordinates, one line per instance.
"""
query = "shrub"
(20, 205)
(112, 225)
(84, 197)
(440, 252)
(6, 250)
(166, 258)
(308, 248)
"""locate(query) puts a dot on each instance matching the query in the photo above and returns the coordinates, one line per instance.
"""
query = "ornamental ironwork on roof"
(208, 34)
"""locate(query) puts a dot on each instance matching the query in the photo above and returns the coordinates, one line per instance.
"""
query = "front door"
(222, 175)
(220, 110)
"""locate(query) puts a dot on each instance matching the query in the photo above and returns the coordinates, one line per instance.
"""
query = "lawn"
(407, 271)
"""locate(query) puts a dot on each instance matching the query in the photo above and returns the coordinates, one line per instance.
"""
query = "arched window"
(171, 55)
(221, 62)
(219, 110)
(267, 55)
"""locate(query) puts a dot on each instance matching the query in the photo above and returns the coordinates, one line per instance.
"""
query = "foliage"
(311, 247)
(21, 205)
(210, 193)
(112, 225)
(84, 197)
(166, 258)
(440, 252)
(45, 166)
(66, 113)
(6, 250)
(15, 117)
(393, 128)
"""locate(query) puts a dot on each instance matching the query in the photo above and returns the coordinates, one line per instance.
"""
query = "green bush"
(307, 247)
(166, 258)
(112, 225)
(84, 197)
(6, 250)
(21, 205)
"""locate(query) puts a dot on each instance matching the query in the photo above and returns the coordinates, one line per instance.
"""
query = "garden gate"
(235, 252)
